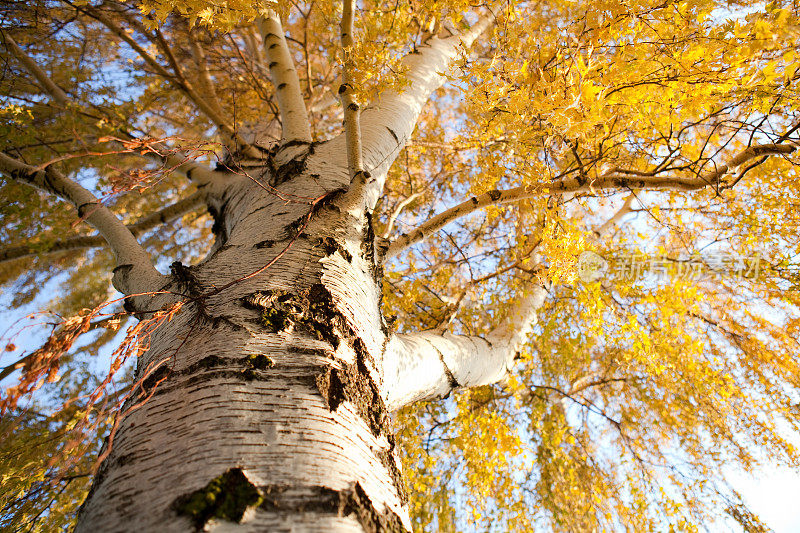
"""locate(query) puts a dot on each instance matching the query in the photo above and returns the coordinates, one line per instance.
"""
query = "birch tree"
(393, 266)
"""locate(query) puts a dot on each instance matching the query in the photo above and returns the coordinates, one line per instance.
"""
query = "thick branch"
(426, 366)
(352, 111)
(493, 197)
(163, 216)
(616, 180)
(134, 273)
(388, 124)
(294, 117)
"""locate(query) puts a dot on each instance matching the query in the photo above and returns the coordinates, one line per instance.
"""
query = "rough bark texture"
(265, 397)
(265, 403)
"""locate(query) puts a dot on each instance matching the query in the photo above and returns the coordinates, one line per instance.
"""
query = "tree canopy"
(658, 136)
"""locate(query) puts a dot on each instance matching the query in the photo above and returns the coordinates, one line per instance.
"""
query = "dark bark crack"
(324, 500)
(226, 497)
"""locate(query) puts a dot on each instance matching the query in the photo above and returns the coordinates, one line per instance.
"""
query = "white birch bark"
(387, 125)
(277, 378)
(295, 125)
(240, 392)
(427, 366)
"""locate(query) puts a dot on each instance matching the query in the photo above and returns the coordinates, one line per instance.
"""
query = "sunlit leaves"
(625, 375)
(635, 393)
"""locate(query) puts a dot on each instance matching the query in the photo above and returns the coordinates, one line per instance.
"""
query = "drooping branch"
(112, 322)
(294, 117)
(162, 216)
(616, 179)
(135, 272)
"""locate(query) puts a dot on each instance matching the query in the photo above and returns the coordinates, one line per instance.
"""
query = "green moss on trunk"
(226, 497)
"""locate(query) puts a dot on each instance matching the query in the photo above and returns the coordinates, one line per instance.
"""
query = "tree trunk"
(265, 402)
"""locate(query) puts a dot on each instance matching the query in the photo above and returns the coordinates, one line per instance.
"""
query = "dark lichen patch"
(274, 319)
(260, 361)
(290, 169)
(310, 312)
(330, 246)
(274, 308)
(373, 255)
(215, 362)
(202, 379)
(210, 361)
(185, 278)
(248, 368)
(287, 171)
(225, 497)
(381, 247)
(319, 499)
(313, 312)
(293, 229)
(191, 287)
(353, 383)
(323, 318)
(331, 387)
(155, 378)
(303, 499)
(359, 503)
(368, 242)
